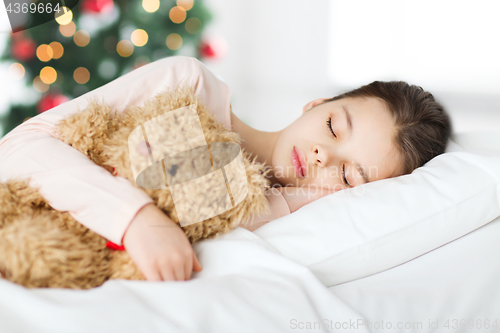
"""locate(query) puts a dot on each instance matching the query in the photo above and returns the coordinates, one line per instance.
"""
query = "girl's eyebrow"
(347, 114)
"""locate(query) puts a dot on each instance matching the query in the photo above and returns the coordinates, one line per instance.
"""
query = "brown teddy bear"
(42, 247)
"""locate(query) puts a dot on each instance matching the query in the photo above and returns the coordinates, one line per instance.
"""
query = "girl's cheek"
(326, 183)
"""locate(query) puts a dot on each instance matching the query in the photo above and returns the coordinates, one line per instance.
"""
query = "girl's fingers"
(179, 273)
(188, 265)
(196, 264)
(167, 274)
(152, 275)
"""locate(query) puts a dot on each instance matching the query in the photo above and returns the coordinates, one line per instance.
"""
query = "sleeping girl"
(381, 130)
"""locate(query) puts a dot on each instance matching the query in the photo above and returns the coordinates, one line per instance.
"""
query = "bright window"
(440, 45)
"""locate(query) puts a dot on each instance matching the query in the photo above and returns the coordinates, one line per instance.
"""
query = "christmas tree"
(97, 41)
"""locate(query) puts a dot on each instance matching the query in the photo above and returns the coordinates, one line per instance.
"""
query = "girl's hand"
(159, 247)
(297, 197)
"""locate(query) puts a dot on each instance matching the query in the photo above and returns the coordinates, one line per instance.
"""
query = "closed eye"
(329, 125)
(343, 176)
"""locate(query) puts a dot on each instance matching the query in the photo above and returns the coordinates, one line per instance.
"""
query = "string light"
(39, 85)
(81, 75)
(125, 48)
(48, 75)
(174, 41)
(44, 52)
(193, 25)
(17, 71)
(67, 30)
(57, 49)
(186, 4)
(81, 38)
(151, 6)
(65, 17)
(177, 14)
(139, 37)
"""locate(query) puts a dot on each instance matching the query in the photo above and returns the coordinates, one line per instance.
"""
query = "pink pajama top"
(71, 182)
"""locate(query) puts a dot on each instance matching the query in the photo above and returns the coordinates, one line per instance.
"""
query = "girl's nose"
(321, 156)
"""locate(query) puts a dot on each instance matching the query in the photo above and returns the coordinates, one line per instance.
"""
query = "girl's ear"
(312, 104)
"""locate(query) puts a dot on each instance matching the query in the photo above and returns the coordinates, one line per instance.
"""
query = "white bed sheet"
(458, 283)
(244, 287)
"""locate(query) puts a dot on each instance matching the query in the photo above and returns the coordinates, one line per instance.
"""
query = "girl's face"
(337, 145)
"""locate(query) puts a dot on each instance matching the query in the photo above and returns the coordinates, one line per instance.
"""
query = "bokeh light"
(186, 4)
(17, 71)
(177, 14)
(151, 6)
(39, 85)
(44, 52)
(174, 41)
(125, 48)
(57, 49)
(68, 30)
(81, 38)
(193, 25)
(81, 75)
(107, 69)
(48, 75)
(64, 16)
(139, 37)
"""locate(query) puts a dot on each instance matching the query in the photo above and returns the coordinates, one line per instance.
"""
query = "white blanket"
(245, 286)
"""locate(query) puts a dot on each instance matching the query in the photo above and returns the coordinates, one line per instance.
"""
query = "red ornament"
(23, 49)
(96, 6)
(213, 48)
(50, 101)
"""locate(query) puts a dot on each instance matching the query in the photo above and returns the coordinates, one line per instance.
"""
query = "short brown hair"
(422, 125)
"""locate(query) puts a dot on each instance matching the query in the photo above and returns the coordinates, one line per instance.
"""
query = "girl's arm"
(68, 179)
(278, 207)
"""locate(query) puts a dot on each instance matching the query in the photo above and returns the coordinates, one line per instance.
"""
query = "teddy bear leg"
(35, 252)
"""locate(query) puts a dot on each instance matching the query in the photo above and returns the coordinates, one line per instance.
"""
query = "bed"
(247, 285)
(416, 253)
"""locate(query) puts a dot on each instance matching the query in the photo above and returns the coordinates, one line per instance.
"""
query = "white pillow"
(373, 227)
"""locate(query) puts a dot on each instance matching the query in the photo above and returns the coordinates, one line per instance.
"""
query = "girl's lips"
(299, 162)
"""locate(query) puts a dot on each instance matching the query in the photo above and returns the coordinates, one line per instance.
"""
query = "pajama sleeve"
(70, 181)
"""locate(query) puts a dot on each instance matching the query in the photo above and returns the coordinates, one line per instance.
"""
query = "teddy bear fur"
(43, 247)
